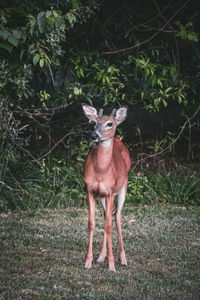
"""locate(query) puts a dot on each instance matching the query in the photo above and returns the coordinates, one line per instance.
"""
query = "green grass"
(42, 255)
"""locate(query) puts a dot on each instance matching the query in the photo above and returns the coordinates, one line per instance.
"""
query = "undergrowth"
(179, 188)
(58, 185)
(43, 187)
(57, 181)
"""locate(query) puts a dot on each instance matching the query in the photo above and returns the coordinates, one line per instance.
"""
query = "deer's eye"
(110, 124)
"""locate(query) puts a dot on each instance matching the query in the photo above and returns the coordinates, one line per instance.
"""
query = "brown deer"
(106, 175)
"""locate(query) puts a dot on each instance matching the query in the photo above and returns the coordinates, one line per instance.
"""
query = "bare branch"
(54, 146)
(26, 151)
(170, 145)
(152, 37)
(1, 182)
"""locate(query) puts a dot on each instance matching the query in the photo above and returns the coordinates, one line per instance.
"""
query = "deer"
(106, 176)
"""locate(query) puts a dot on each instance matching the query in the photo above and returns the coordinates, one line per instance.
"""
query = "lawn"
(42, 255)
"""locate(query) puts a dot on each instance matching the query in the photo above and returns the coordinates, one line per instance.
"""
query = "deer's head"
(105, 126)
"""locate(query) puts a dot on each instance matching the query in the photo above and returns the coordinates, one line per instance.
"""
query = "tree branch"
(151, 37)
(174, 141)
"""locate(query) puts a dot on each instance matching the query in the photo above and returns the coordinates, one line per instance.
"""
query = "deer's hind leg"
(118, 220)
(108, 228)
(103, 252)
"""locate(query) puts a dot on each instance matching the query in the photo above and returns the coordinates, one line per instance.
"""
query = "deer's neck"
(104, 155)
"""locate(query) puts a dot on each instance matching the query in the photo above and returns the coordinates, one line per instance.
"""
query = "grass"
(42, 255)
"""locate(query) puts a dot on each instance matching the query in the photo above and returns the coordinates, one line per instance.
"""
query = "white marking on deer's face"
(104, 130)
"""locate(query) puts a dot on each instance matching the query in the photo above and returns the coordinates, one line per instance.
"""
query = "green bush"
(174, 188)
(36, 187)
(58, 185)
(177, 188)
(140, 190)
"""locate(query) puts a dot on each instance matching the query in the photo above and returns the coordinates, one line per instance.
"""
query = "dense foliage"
(55, 55)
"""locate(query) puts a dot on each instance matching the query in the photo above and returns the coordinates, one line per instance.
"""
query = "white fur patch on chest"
(106, 143)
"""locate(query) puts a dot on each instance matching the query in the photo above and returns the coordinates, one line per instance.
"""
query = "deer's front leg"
(108, 228)
(103, 252)
(91, 225)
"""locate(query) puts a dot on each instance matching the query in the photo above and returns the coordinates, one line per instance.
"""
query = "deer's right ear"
(90, 112)
(121, 114)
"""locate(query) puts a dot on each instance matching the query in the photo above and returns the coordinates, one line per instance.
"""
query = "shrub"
(178, 188)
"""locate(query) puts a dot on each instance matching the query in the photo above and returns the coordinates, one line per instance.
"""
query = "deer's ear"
(90, 112)
(121, 114)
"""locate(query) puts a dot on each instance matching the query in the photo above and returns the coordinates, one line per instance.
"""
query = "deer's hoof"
(88, 264)
(101, 258)
(123, 261)
(111, 267)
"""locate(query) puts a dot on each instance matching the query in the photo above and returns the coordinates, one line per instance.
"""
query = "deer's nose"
(94, 135)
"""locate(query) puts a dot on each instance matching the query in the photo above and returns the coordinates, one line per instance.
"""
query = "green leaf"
(164, 71)
(75, 4)
(71, 18)
(51, 20)
(159, 82)
(55, 13)
(13, 40)
(36, 58)
(6, 46)
(17, 34)
(154, 80)
(48, 14)
(41, 63)
(90, 100)
(76, 91)
(168, 89)
(164, 102)
(147, 72)
(81, 72)
(4, 34)
(179, 99)
(40, 16)
(193, 36)
(41, 21)
(123, 96)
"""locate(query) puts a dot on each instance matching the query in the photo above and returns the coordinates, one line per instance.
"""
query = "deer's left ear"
(121, 115)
